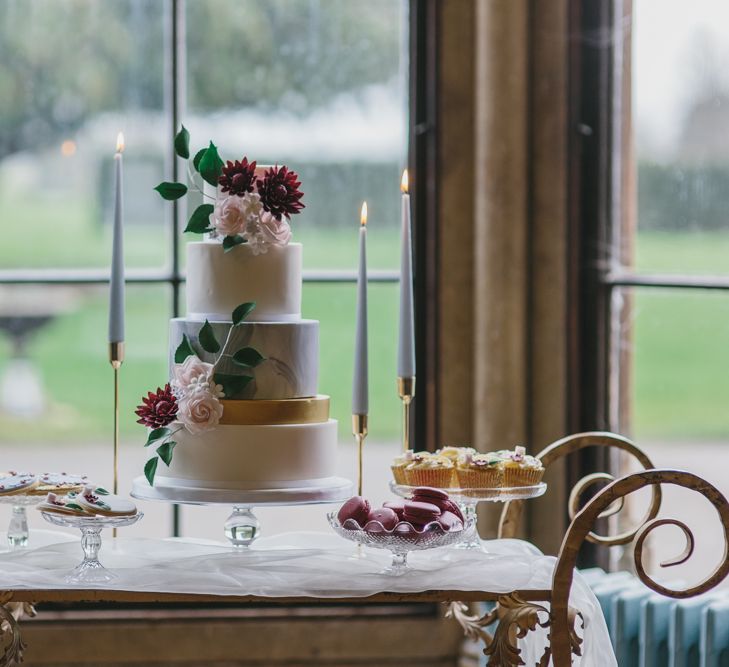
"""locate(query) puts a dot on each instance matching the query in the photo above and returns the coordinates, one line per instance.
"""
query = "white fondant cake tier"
(253, 457)
(291, 349)
(219, 281)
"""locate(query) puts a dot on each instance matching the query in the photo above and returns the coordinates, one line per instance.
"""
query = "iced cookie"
(12, 483)
(96, 500)
(62, 505)
(59, 483)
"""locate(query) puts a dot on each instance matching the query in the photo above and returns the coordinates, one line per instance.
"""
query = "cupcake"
(480, 471)
(430, 470)
(399, 464)
(520, 469)
(455, 454)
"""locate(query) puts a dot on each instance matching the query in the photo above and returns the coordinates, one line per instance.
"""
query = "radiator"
(650, 630)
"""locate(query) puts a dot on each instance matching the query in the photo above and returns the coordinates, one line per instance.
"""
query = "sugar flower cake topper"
(192, 399)
(252, 206)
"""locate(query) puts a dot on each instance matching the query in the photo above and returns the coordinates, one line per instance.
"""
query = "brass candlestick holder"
(406, 391)
(116, 358)
(359, 429)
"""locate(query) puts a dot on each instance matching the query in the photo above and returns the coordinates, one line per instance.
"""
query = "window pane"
(56, 391)
(320, 86)
(73, 75)
(681, 99)
(676, 353)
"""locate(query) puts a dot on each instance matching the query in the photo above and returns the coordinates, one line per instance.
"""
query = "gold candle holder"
(406, 391)
(116, 358)
(359, 429)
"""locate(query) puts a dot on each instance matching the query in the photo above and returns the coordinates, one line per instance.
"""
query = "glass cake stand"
(90, 570)
(18, 534)
(242, 527)
(468, 499)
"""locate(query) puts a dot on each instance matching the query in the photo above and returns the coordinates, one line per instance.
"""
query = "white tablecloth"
(305, 564)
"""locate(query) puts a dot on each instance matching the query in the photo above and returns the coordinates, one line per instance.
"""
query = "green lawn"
(680, 381)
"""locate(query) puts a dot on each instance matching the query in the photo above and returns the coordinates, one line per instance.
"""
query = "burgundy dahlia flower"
(238, 177)
(279, 191)
(158, 409)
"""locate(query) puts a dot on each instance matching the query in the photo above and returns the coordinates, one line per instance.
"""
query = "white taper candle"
(360, 384)
(406, 342)
(116, 290)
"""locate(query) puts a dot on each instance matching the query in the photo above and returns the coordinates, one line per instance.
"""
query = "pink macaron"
(383, 515)
(423, 492)
(356, 508)
(438, 498)
(397, 506)
(420, 514)
(450, 521)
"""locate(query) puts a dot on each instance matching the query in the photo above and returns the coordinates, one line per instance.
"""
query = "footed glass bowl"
(400, 541)
(90, 570)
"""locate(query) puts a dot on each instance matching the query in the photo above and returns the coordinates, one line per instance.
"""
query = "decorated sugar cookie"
(59, 483)
(97, 500)
(62, 504)
(12, 483)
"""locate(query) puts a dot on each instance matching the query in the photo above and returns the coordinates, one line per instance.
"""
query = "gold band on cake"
(313, 410)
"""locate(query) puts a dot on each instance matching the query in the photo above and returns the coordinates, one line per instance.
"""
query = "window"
(319, 84)
(657, 253)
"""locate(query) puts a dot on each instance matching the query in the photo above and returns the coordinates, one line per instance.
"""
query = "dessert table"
(303, 567)
(544, 613)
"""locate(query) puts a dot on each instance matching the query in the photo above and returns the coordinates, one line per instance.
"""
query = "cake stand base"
(242, 527)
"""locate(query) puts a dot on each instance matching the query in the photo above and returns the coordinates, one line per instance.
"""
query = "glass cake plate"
(90, 570)
(469, 499)
(400, 544)
(242, 527)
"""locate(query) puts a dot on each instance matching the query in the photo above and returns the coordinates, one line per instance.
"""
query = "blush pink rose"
(229, 215)
(200, 411)
(274, 232)
(192, 371)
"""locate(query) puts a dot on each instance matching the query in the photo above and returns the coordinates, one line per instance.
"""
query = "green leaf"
(171, 191)
(232, 384)
(229, 242)
(101, 491)
(150, 468)
(199, 221)
(207, 339)
(243, 311)
(211, 166)
(184, 350)
(248, 357)
(74, 506)
(157, 434)
(182, 143)
(165, 451)
(197, 158)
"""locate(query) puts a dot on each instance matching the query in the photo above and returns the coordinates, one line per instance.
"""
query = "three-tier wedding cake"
(241, 410)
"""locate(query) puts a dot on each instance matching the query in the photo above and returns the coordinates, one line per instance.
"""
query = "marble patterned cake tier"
(291, 351)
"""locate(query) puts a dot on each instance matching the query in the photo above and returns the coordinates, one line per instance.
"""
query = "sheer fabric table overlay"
(311, 565)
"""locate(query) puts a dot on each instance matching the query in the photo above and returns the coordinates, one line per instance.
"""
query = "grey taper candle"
(116, 290)
(360, 383)
(406, 340)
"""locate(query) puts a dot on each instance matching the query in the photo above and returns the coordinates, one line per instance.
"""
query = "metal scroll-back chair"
(516, 617)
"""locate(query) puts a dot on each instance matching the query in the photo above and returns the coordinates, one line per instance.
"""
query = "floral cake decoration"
(247, 208)
(192, 398)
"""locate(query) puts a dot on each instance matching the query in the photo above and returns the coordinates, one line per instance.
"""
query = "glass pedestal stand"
(18, 535)
(90, 570)
(468, 500)
(242, 527)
